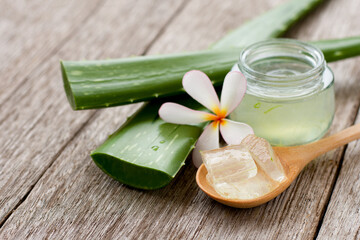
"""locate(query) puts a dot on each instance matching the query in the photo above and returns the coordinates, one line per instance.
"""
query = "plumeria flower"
(198, 85)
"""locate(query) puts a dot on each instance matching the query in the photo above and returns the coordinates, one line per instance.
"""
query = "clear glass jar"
(290, 92)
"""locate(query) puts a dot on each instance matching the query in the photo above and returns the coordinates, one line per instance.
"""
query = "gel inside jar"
(290, 92)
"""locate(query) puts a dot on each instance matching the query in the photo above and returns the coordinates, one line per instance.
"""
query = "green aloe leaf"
(147, 152)
(105, 83)
(338, 49)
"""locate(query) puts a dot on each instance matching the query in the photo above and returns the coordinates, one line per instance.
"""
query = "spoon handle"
(334, 141)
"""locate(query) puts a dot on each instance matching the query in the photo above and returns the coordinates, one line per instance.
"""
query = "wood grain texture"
(342, 218)
(199, 25)
(31, 31)
(74, 199)
(38, 122)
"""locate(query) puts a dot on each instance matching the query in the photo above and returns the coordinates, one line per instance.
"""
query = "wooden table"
(49, 186)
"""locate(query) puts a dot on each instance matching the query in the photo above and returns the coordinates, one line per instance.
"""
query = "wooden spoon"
(293, 159)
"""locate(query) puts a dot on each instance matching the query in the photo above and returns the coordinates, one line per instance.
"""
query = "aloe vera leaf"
(338, 49)
(271, 24)
(146, 152)
(104, 83)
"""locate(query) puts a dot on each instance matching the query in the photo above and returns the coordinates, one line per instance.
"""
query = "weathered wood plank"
(74, 199)
(200, 24)
(31, 31)
(342, 218)
(38, 122)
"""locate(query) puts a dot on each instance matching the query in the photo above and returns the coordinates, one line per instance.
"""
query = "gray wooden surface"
(50, 188)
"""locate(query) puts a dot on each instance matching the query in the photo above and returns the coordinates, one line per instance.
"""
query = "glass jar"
(290, 92)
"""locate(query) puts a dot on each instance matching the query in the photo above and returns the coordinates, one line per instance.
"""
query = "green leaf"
(338, 49)
(146, 152)
(105, 83)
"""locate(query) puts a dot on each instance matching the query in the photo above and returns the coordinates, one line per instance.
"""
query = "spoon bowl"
(293, 160)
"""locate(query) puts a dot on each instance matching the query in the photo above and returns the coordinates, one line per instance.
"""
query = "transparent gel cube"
(244, 171)
(231, 164)
(264, 156)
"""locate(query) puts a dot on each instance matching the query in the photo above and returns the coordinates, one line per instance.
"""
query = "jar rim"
(314, 52)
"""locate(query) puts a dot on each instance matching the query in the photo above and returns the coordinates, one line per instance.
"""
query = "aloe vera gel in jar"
(290, 93)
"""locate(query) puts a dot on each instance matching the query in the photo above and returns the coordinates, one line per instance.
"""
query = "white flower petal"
(233, 91)
(235, 67)
(208, 140)
(198, 85)
(178, 114)
(234, 132)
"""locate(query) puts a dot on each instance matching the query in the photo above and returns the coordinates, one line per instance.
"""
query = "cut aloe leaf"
(272, 24)
(146, 152)
(105, 83)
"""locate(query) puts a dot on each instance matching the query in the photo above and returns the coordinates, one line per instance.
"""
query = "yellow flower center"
(219, 117)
